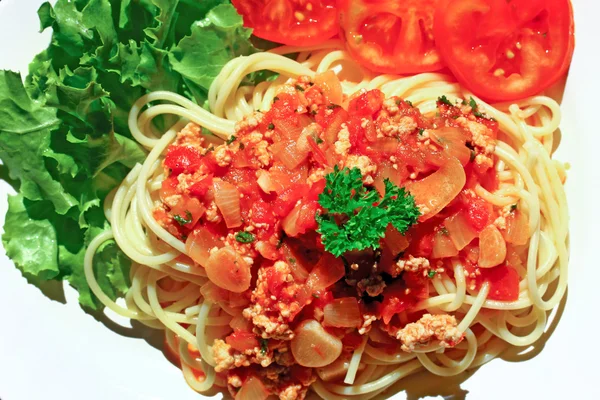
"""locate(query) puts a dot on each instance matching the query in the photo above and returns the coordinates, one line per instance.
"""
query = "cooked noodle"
(526, 172)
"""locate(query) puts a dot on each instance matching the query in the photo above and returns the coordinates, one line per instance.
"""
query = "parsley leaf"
(264, 346)
(356, 218)
(431, 273)
(476, 111)
(299, 88)
(183, 221)
(244, 237)
(444, 100)
(231, 139)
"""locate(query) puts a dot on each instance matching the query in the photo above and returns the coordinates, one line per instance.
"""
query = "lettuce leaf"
(64, 134)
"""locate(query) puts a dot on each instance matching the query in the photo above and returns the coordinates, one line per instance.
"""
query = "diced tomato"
(183, 159)
(422, 246)
(242, 341)
(285, 107)
(286, 201)
(352, 340)
(316, 189)
(478, 212)
(367, 103)
(417, 283)
(262, 213)
(202, 186)
(275, 281)
(504, 282)
(168, 188)
(396, 299)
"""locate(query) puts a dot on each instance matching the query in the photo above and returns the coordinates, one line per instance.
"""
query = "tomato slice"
(391, 36)
(291, 22)
(505, 50)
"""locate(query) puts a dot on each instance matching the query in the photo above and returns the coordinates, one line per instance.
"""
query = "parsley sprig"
(355, 217)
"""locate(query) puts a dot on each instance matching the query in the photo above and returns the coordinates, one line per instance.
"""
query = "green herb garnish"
(431, 273)
(356, 217)
(264, 346)
(299, 88)
(444, 100)
(183, 221)
(231, 139)
(271, 126)
(244, 237)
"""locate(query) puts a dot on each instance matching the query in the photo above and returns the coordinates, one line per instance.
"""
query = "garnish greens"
(182, 221)
(444, 100)
(356, 217)
(64, 137)
(244, 237)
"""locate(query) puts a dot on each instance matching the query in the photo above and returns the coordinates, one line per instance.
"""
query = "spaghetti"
(169, 292)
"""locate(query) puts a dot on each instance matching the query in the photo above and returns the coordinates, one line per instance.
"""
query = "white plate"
(53, 350)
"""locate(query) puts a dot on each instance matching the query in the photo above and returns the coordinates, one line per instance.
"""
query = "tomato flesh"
(391, 36)
(505, 50)
(503, 280)
(291, 22)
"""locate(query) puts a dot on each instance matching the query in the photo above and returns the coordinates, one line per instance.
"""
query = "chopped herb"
(444, 100)
(464, 102)
(431, 273)
(271, 126)
(514, 207)
(292, 260)
(332, 106)
(231, 139)
(183, 221)
(313, 112)
(299, 88)
(444, 231)
(476, 111)
(409, 103)
(244, 237)
(317, 139)
(398, 102)
(211, 148)
(264, 346)
(356, 217)
(275, 98)
(316, 295)
(421, 131)
(242, 147)
(472, 156)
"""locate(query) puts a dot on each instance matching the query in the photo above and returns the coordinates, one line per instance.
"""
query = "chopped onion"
(288, 154)
(289, 223)
(492, 247)
(342, 313)
(264, 181)
(239, 323)
(314, 347)
(228, 270)
(453, 140)
(252, 389)
(337, 369)
(328, 271)
(227, 198)
(267, 250)
(517, 228)
(331, 86)
(199, 243)
(213, 293)
(287, 128)
(436, 191)
(443, 246)
(395, 241)
(460, 230)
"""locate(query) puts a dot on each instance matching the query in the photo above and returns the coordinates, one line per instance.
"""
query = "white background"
(53, 350)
